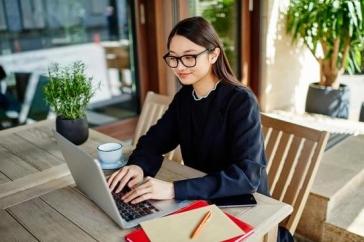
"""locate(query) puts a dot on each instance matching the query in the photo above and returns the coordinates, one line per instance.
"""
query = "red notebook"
(139, 235)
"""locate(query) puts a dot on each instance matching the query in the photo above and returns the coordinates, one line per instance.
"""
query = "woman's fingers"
(151, 188)
(111, 178)
(145, 187)
(136, 189)
(138, 192)
(133, 182)
(142, 198)
(124, 180)
(118, 177)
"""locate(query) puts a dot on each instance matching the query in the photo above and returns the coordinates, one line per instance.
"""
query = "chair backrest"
(293, 153)
(153, 108)
(22, 80)
(39, 108)
(34, 107)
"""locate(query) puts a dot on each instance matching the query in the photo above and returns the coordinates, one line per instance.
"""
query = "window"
(35, 33)
(224, 16)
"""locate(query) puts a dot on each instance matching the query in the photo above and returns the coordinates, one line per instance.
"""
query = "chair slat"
(304, 161)
(308, 181)
(272, 144)
(161, 110)
(151, 118)
(266, 134)
(291, 174)
(154, 107)
(276, 164)
(289, 166)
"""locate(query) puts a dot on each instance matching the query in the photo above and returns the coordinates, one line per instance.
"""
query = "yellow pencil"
(200, 225)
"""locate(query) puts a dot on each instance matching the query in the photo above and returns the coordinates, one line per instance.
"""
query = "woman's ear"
(214, 55)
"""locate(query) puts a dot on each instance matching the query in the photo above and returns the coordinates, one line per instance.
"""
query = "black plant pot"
(75, 131)
(361, 117)
(328, 101)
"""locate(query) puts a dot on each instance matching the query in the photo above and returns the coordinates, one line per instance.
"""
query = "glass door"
(36, 33)
(238, 24)
(224, 15)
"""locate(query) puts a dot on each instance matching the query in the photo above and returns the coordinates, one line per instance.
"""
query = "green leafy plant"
(69, 90)
(333, 30)
(221, 14)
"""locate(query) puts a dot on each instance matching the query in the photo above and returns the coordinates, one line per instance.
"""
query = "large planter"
(75, 130)
(361, 117)
(328, 101)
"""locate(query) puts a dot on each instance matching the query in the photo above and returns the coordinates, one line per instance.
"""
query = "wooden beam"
(245, 42)
(143, 77)
(32, 180)
(255, 68)
(183, 9)
(163, 20)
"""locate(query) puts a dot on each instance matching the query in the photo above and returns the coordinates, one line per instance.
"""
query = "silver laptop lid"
(90, 179)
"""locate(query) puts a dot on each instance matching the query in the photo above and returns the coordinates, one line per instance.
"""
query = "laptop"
(90, 180)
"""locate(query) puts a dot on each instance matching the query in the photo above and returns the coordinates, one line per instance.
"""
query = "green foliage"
(221, 15)
(335, 25)
(362, 63)
(69, 90)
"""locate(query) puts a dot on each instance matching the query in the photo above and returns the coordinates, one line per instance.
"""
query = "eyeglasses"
(186, 60)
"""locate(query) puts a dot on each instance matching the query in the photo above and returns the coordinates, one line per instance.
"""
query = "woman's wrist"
(139, 169)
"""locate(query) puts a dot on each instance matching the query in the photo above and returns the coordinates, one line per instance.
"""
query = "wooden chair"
(293, 153)
(153, 108)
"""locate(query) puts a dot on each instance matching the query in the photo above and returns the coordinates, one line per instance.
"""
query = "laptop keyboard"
(130, 211)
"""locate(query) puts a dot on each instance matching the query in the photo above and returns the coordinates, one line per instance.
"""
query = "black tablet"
(245, 200)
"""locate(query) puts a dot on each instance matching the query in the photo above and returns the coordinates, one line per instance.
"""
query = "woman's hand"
(130, 175)
(151, 188)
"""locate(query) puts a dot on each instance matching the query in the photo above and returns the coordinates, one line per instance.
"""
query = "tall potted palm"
(333, 30)
(68, 92)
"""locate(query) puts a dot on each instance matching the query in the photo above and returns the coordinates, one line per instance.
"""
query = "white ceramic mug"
(110, 152)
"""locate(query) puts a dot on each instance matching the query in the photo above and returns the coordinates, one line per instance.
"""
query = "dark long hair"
(202, 33)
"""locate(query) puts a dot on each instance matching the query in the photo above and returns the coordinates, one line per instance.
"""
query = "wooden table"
(39, 201)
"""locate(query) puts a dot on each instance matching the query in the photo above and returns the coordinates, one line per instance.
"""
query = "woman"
(213, 118)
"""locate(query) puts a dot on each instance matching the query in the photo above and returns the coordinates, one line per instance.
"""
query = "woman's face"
(180, 46)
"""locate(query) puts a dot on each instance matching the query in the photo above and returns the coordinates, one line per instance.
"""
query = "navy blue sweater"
(220, 135)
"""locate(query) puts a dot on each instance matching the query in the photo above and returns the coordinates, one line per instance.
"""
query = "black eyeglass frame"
(179, 59)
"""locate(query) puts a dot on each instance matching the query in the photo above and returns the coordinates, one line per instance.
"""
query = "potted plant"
(333, 30)
(68, 92)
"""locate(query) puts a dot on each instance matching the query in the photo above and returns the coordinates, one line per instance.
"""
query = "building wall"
(286, 69)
